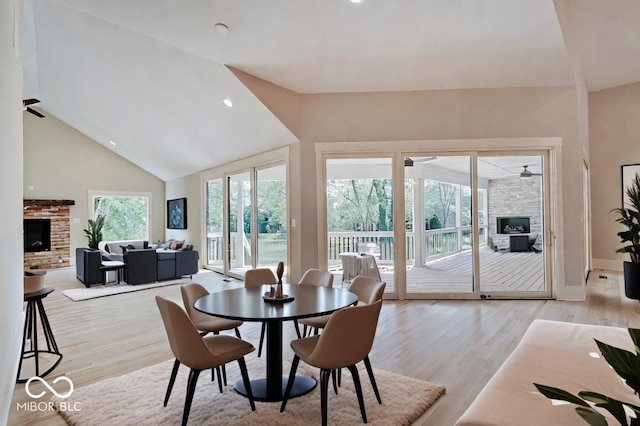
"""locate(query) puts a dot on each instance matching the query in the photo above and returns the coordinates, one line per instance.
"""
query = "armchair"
(140, 266)
(88, 262)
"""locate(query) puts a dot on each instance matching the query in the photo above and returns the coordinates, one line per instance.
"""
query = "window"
(126, 214)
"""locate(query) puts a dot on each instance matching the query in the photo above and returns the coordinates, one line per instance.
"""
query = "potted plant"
(629, 216)
(94, 231)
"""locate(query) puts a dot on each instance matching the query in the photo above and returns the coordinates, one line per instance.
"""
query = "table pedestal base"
(302, 385)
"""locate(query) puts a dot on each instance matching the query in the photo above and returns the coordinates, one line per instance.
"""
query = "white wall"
(463, 114)
(614, 126)
(62, 163)
(11, 194)
(187, 187)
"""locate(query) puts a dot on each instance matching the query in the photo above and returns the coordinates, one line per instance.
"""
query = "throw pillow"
(106, 248)
(124, 249)
(179, 244)
(173, 245)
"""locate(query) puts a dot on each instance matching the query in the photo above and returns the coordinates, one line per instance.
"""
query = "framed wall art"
(629, 172)
(177, 213)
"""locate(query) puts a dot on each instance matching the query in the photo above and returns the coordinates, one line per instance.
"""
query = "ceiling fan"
(409, 162)
(527, 174)
(25, 107)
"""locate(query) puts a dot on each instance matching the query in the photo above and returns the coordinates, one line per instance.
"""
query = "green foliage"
(125, 217)
(434, 223)
(440, 200)
(627, 365)
(359, 205)
(94, 231)
(630, 218)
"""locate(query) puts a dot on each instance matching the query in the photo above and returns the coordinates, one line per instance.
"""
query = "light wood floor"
(459, 344)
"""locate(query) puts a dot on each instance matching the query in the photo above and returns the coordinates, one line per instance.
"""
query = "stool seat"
(35, 310)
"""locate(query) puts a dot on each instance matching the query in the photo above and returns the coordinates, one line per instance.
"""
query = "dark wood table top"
(247, 304)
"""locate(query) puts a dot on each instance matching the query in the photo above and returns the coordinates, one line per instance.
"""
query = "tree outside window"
(126, 216)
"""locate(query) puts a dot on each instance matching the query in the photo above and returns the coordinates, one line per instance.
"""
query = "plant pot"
(632, 280)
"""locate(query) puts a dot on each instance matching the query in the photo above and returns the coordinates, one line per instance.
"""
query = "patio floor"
(499, 272)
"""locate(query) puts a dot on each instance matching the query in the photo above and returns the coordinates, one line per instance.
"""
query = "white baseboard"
(612, 265)
(572, 293)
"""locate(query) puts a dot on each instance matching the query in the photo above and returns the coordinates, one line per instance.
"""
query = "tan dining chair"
(346, 340)
(319, 278)
(207, 323)
(198, 352)
(368, 291)
(256, 278)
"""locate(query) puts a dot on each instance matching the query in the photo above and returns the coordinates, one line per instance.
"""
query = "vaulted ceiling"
(151, 75)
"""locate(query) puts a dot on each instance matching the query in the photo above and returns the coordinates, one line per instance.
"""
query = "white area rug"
(136, 399)
(99, 290)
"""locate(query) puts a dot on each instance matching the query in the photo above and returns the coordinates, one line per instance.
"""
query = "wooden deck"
(499, 272)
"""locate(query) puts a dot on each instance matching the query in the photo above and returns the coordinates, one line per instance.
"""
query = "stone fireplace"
(42, 216)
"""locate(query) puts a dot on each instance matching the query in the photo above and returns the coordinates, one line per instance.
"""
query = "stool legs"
(35, 308)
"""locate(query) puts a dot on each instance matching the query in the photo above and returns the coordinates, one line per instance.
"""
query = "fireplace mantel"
(34, 203)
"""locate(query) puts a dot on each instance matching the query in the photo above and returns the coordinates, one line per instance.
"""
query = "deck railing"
(438, 243)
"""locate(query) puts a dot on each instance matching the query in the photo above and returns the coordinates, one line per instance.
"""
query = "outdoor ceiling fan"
(526, 173)
(409, 162)
(32, 101)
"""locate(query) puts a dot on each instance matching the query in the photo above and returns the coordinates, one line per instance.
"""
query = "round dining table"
(248, 304)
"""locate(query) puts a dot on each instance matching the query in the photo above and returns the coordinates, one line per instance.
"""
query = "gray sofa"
(141, 265)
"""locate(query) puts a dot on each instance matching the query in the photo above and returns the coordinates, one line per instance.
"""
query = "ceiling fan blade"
(30, 101)
(34, 112)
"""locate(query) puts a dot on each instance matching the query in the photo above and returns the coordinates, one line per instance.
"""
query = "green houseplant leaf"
(94, 231)
(630, 218)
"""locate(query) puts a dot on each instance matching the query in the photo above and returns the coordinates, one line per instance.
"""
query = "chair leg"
(292, 377)
(367, 364)
(339, 377)
(324, 385)
(358, 386)
(172, 380)
(219, 379)
(224, 374)
(262, 332)
(304, 330)
(191, 390)
(247, 383)
(333, 379)
(297, 327)
(237, 330)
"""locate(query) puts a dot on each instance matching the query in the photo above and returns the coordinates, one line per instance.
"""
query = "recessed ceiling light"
(112, 143)
(227, 102)
(355, 1)
(221, 28)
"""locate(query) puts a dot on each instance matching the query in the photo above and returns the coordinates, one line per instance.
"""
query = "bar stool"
(34, 293)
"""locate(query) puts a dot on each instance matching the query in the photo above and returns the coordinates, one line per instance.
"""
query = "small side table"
(35, 308)
(111, 265)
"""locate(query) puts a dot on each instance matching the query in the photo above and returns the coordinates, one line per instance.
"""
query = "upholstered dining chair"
(198, 352)
(368, 291)
(346, 340)
(255, 278)
(207, 323)
(314, 277)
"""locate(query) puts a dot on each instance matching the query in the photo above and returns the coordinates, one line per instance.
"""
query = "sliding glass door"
(360, 219)
(239, 223)
(246, 220)
(271, 191)
(439, 236)
(474, 224)
(513, 261)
